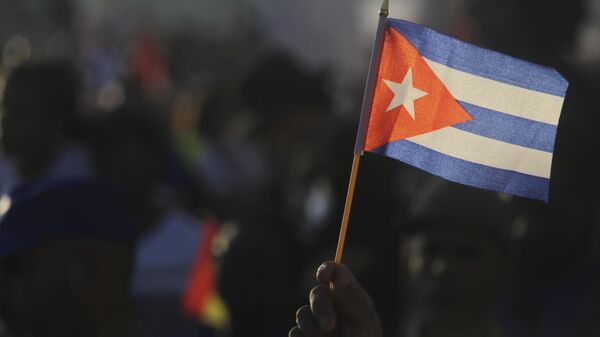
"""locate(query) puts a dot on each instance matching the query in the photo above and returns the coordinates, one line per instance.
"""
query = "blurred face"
(456, 274)
(27, 133)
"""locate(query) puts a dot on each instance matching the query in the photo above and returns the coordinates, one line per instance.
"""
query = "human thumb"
(352, 302)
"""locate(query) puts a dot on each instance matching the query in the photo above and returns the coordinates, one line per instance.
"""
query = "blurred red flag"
(200, 298)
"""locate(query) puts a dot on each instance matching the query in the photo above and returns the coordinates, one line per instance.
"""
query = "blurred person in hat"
(66, 238)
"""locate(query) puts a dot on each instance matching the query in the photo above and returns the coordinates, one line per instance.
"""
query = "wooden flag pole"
(348, 205)
(362, 126)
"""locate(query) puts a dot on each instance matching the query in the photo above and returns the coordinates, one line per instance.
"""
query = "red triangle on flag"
(409, 98)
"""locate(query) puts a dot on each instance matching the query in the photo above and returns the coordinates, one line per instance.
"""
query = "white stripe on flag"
(486, 151)
(498, 96)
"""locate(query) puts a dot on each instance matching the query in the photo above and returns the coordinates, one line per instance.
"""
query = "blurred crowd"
(171, 182)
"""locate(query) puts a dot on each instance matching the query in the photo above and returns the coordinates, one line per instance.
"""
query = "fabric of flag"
(467, 114)
(201, 298)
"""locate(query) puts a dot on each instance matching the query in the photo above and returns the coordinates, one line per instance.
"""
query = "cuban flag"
(467, 114)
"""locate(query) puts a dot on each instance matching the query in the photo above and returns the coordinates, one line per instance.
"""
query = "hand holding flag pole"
(362, 127)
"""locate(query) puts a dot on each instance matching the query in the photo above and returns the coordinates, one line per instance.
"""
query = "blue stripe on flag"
(509, 129)
(466, 172)
(481, 62)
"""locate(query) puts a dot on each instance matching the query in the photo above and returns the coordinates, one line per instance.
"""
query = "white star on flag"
(405, 94)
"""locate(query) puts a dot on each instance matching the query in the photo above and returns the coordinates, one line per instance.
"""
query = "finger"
(321, 305)
(295, 332)
(326, 272)
(306, 323)
(351, 299)
(346, 286)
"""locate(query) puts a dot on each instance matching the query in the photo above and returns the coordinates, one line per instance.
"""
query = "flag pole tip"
(384, 11)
